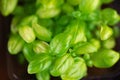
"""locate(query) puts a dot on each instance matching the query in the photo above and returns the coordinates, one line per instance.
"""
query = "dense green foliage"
(61, 38)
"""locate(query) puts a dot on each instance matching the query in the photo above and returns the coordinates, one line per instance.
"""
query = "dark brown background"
(3, 67)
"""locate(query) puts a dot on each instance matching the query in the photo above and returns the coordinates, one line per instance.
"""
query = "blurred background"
(4, 31)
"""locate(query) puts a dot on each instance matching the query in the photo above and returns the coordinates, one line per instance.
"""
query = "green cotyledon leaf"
(18, 21)
(15, 23)
(28, 52)
(44, 75)
(28, 20)
(7, 6)
(40, 63)
(73, 2)
(88, 6)
(110, 16)
(27, 33)
(96, 43)
(41, 32)
(48, 8)
(61, 65)
(77, 71)
(109, 43)
(105, 32)
(40, 47)
(84, 47)
(67, 8)
(15, 44)
(48, 23)
(78, 28)
(60, 44)
(105, 58)
(43, 12)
